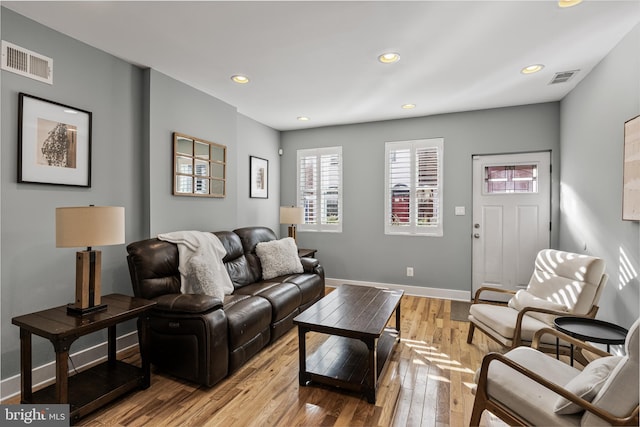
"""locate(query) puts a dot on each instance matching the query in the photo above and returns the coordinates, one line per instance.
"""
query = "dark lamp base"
(75, 311)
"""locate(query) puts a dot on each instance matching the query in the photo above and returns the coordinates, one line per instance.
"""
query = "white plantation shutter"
(413, 187)
(320, 188)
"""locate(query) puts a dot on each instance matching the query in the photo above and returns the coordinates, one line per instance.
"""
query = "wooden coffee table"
(355, 354)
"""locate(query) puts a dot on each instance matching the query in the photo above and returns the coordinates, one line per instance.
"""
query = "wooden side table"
(96, 386)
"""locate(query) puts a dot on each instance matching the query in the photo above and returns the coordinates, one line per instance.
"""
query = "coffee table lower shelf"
(344, 363)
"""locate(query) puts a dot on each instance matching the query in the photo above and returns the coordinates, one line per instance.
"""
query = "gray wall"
(362, 251)
(255, 139)
(35, 274)
(174, 106)
(592, 136)
(134, 114)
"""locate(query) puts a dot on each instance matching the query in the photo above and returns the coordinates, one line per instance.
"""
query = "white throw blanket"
(200, 263)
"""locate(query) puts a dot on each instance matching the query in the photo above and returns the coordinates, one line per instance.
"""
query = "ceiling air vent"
(26, 63)
(563, 77)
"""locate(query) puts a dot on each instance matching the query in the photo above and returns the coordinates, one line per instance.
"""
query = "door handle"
(477, 235)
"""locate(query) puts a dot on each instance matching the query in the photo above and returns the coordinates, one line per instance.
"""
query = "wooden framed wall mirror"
(199, 167)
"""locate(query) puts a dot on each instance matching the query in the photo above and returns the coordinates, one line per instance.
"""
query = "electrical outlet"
(409, 271)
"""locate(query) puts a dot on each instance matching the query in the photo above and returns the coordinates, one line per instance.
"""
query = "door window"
(511, 179)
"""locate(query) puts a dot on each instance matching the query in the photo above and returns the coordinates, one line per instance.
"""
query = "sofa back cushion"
(153, 265)
(250, 237)
(238, 268)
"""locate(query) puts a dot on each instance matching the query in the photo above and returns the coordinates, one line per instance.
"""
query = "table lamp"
(291, 215)
(88, 226)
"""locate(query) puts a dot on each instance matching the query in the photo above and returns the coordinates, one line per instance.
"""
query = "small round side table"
(591, 330)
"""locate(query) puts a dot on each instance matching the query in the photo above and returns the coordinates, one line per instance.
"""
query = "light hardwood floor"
(428, 383)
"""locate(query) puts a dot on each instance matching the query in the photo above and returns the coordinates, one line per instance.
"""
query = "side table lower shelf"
(91, 389)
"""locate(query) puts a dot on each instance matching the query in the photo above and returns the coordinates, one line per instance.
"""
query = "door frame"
(552, 218)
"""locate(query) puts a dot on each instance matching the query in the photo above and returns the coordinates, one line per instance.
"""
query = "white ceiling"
(318, 58)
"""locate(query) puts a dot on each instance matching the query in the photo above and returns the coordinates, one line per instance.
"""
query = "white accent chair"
(562, 284)
(527, 387)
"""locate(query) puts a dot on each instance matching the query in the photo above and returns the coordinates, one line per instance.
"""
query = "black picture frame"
(54, 143)
(258, 178)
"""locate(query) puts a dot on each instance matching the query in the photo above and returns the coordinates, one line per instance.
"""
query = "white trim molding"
(419, 291)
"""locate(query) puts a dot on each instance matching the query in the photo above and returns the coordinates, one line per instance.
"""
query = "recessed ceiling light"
(532, 69)
(408, 106)
(568, 3)
(303, 119)
(389, 57)
(239, 78)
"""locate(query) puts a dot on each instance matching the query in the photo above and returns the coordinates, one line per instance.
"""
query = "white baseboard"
(409, 290)
(46, 374)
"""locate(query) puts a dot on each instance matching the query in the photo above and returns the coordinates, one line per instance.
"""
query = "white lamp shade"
(89, 226)
(291, 215)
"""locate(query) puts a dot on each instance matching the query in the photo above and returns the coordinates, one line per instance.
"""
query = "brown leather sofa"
(202, 339)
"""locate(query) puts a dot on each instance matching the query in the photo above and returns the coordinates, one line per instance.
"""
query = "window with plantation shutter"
(320, 188)
(413, 187)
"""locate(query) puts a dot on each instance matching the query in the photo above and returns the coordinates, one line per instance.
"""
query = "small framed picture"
(54, 143)
(258, 178)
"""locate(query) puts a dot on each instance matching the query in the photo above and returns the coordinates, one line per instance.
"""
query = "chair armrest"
(535, 343)
(476, 298)
(632, 419)
(187, 303)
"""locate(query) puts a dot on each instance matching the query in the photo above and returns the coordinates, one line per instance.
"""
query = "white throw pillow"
(202, 278)
(524, 299)
(587, 384)
(279, 257)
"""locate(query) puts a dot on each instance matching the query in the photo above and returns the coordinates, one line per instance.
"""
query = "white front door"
(511, 218)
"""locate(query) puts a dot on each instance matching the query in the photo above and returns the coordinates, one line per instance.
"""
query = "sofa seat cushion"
(537, 405)
(248, 317)
(284, 298)
(311, 286)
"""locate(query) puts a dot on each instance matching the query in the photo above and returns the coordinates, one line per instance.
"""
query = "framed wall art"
(631, 170)
(258, 178)
(54, 143)
(199, 167)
